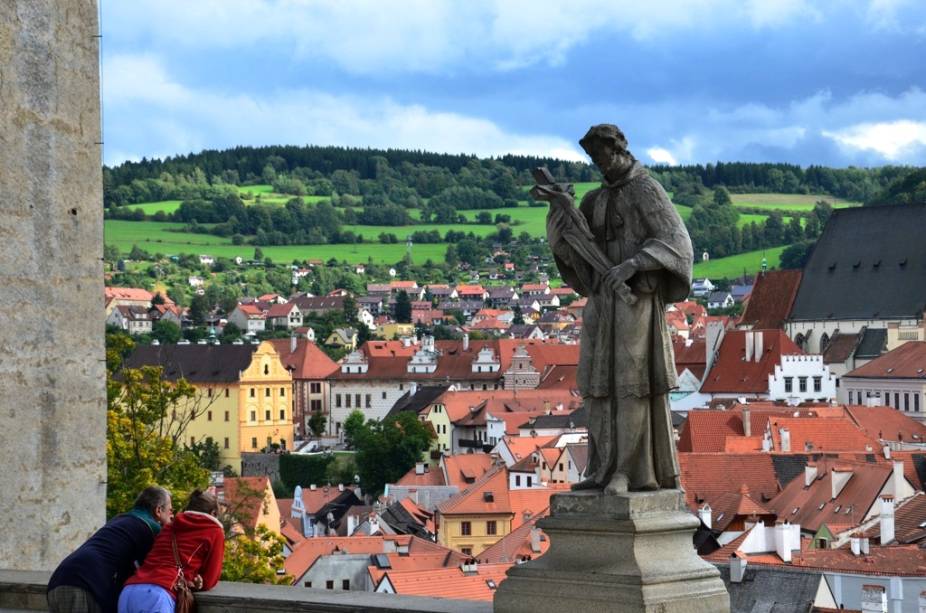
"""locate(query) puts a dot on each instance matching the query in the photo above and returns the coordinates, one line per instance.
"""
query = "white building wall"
(383, 395)
(786, 382)
(905, 395)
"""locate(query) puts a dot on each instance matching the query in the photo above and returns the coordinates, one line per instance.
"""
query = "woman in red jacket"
(201, 545)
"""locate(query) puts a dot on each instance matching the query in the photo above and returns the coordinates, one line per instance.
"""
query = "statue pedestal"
(628, 552)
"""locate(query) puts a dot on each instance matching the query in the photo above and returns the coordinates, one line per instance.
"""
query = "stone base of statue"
(627, 552)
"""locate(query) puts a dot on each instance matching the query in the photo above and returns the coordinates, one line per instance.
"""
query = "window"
(345, 584)
(253, 415)
(267, 415)
(817, 384)
(226, 416)
(916, 402)
(253, 393)
(329, 585)
(337, 400)
(315, 388)
(192, 440)
(209, 439)
(267, 393)
(347, 399)
(282, 392)
(384, 395)
(209, 392)
(401, 386)
(307, 584)
(226, 442)
(517, 480)
(315, 405)
(357, 400)
(266, 369)
(802, 384)
(491, 527)
(467, 550)
(269, 441)
(466, 528)
(369, 400)
(226, 392)
(906, 402)
(530, 481)
(789, 384)
(254, 442)
(282, 414)
(561, 466)
(208, 415)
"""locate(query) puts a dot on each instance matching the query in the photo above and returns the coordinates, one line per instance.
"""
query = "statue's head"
(607, 146)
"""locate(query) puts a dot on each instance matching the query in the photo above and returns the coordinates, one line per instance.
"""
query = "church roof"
(869, 263)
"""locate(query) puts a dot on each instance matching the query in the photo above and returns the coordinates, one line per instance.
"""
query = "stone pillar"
(628, 552)
(52, 370)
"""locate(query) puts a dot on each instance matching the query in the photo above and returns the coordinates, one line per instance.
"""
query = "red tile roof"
(308, 551)
(312, 500)
(522, 446)
(521, 505)
(560, 377)
(909, 518)
(813, 506)
(252, 311)
(822, 434)
(462, 470)
(280, 310)
(772, 297)
(129, 293)
(908, 361)
(730, 373)
(708, 476)
(307, 362)
(417, 562)
(449, 582)
(431, 476)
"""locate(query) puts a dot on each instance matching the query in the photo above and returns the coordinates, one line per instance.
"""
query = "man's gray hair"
(151, 498)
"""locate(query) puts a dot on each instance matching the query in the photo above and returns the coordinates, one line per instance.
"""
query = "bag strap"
(173, 539)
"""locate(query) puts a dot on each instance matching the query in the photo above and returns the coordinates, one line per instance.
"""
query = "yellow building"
(393, 331)
(252, 502)
(243, 396)
(436, 415)
(265, 402)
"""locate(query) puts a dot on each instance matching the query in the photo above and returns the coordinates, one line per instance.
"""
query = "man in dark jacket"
(89, 580)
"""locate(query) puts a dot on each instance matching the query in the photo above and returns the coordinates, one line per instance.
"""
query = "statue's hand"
(554, 194)
(617, 277)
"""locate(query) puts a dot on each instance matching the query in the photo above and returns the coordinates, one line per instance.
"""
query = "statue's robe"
(626, 367)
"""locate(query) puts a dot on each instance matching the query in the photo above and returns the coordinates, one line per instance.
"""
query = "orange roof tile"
(907, 361)
(417, 562)
(516, 545)
(128, 293)
(449, 582)
(772, 297)
(462, 470)
(708, 476)
(307, 362)
(821, 434)
(431, 476)
(523, 446)
(888, 424)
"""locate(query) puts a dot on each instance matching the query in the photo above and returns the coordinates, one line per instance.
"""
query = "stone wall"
(261, 464)
(52, 385)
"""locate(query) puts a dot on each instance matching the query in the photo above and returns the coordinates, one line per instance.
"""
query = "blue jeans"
(145, 598)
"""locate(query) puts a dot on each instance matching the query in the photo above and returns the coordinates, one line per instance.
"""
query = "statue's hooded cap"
(604, 132)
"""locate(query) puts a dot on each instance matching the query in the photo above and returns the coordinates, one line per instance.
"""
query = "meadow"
(734, 266)
(788, 202)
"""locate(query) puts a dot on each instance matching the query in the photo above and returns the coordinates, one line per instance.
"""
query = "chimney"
(737, 568)
(704, 514)
(758, 345)
(863, 541)
(810, 473)
(785, 440)
(747, 422)
(839, 476)
(412, 388)
(887, 519)
(535, 539)
(874, 599)
(750, 339)
(340, 487)
(312, 487)
(292, 344)
(352, 523)
(466, 341)
(546, 407)
(419, 468)
(887, 452)
(782, 545)
(855, 543)
(898, 478)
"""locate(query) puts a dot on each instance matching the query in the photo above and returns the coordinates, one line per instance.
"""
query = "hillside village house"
(133, 319)
(244, 394)
(285, 316)
(865, 272)
(310, 368)
(249, 318)
(128, 296)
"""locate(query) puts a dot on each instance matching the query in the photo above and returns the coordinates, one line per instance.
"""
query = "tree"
(317, 423)
(166, 332)
(207, 452)
(386, 450)
(258, 254)
(722, 196)
(199, 309)
(254, 559)
(352, 427)
(403, 307)
(795, 256)
(146, 418)
(518, 316)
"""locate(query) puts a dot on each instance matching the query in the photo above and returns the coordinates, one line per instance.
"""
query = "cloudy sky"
(834, 82)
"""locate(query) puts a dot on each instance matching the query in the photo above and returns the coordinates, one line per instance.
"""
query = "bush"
(304, 470)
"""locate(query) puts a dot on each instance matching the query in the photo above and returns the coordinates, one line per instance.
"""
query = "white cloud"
(889, 139)
(430, 36)
(179, 119)
(660, 155)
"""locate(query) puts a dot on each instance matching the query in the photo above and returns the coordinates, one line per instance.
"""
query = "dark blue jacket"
(102, 564)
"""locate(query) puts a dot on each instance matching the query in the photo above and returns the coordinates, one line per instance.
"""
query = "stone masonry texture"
(52, 371)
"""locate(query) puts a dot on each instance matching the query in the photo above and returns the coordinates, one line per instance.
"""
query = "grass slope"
(788, 202)
(733, 266)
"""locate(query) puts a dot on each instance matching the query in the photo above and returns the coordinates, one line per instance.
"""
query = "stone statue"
(627, 250)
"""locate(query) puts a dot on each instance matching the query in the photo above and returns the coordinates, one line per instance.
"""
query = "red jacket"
(201, 544)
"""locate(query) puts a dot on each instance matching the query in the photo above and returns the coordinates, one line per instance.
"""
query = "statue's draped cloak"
(626, 368)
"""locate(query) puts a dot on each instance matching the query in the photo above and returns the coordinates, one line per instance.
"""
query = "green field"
(733, 266)
(157, 238)
(788, 202)
(150, 208)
